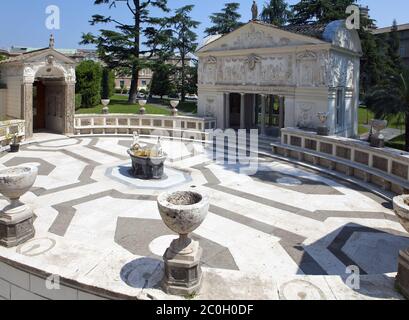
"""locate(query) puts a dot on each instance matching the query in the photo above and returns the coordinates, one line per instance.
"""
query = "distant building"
(403, 31)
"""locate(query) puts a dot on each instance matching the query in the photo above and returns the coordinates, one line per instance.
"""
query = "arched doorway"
(49, 100)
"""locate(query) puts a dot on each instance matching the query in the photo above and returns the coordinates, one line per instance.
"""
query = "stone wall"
(3, 100)
(13, 101)
(18, 284)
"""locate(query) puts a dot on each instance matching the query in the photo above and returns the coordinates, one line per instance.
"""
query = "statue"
(52, 42)
(254, 10)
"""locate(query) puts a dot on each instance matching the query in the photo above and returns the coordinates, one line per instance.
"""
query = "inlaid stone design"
(301, 290)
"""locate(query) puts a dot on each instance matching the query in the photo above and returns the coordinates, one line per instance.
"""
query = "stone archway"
(59, 83)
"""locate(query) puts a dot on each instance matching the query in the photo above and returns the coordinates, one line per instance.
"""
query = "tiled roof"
(310, 30)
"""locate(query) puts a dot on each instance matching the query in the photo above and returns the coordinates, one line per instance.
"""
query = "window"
(143, 82)
(122, 83)
(340, 106)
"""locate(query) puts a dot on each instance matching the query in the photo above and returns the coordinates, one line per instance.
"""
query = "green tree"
(225, 21)
(161, 83)
(275, 12)
(391, 99)
(89, 76)
(319, 11)
(2, 57)
(183, 42)
(108, 83)
(394, 60)
(192, 79)
(122, 48)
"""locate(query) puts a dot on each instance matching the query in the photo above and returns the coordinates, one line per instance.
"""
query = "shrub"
(78, 101)
(89, 75)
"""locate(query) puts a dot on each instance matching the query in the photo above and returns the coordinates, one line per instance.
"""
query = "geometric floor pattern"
(98, 225)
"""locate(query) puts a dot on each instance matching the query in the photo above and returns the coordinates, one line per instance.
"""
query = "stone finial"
(254, 11)
(52, 42)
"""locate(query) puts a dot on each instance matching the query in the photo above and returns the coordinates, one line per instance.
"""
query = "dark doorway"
(235, 102)
(39, 105)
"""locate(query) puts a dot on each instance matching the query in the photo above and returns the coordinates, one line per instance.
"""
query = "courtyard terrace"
(286, 232)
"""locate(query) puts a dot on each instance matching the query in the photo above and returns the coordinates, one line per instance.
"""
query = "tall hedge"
(108, 83)
(89, 76)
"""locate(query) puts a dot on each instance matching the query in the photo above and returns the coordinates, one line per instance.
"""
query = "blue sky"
(22, 22)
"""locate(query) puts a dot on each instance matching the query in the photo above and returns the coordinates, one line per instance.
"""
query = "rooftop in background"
(401, 27)
(76, 54)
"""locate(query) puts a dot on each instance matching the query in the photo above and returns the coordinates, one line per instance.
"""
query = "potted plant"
(15, 144)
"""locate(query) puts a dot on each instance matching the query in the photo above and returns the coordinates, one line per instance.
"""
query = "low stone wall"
(23, 284)
(159, 125)
(385, 167)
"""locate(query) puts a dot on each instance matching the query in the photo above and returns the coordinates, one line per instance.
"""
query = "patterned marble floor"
(282, 233)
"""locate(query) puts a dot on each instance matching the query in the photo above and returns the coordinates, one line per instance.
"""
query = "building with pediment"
(39, 87)
(267, 77)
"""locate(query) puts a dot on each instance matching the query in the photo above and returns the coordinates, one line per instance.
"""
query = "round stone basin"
(147, 167)
(16, 181)
(183, 211)
(401, 208)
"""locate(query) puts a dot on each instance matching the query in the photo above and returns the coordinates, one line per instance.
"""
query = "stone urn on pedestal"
(174, 104)
(142, 103)
(183, 212)
(401, 208)
(323, 130)
(105, 103)
(376, 138)
(16, 219)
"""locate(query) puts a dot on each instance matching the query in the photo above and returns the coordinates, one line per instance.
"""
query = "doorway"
(39, 106)
(235, 103)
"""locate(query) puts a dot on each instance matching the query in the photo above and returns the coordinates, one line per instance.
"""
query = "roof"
(328, 32)
(401, 27)
(31, 54)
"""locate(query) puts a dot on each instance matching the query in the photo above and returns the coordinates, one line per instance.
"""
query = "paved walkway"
(281, 233)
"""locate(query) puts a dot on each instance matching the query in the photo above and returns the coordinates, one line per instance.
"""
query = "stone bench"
(350, 168)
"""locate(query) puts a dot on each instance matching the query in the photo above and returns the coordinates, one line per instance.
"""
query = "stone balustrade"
(8, 129)
(160, 125)
(386, 167)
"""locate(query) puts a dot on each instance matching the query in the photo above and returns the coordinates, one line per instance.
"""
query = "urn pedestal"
(401, 208)
(183, 274)
(183, 212)
(377, 140)
(323, 130)
(16, 219)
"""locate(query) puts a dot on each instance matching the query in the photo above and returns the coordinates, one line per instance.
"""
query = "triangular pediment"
(255, 35)
(40, 56)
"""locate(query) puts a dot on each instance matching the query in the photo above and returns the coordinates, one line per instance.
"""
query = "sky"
(22, 22)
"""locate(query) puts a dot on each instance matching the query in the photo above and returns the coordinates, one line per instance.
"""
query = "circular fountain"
(147, 163)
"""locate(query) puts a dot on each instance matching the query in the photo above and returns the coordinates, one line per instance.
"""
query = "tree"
(121, 48)
(225, 21)
(392, 99)
(275, 12)
(89, 76)
(192, 79)
(394, 60)
(107, 84)
(183, 42)
(161, 83)
(319, 11)
(2, 57)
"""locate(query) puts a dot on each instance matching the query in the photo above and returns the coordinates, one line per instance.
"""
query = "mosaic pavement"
(282, 233)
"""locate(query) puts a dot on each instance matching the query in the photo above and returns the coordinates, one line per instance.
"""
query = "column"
(242, 110)
(254, 110)
(281, 108)
(69, 108)
(263, 114)
(227, 110)
(27, 108)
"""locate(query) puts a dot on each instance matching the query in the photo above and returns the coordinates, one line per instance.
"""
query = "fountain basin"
(147, 167)
(16, 181)
(183, 211)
